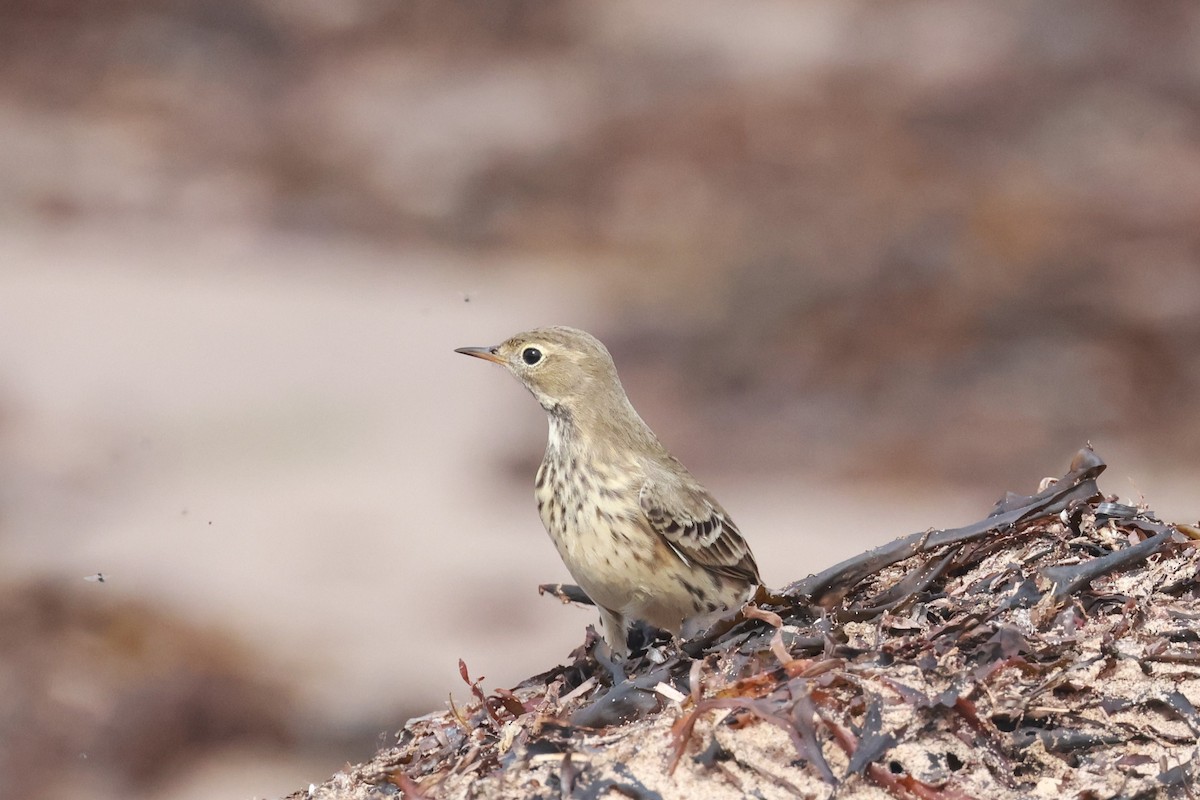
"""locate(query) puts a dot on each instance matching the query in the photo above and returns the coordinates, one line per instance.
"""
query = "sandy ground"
(273, 435)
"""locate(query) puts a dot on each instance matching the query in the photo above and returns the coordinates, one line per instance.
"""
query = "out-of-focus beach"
(862, 268)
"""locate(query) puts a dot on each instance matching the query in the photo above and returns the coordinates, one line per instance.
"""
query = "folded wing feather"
(698, 529)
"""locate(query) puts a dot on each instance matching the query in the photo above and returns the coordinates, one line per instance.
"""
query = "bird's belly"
(608, 555)
(624, 566)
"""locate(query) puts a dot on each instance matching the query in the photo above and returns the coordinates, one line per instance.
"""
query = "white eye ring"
(531, 355)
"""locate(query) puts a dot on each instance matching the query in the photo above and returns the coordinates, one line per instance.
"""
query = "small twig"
(479, 695)
(566, 592)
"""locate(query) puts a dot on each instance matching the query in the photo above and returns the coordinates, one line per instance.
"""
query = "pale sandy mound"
(1048, 650)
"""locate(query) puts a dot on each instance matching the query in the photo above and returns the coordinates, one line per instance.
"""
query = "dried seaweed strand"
(1068, 580)
(1077, 485)
(901, 592)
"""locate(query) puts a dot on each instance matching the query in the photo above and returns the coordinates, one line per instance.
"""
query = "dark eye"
(531, 355)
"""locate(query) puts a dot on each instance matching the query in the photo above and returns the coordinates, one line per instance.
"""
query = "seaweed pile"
(1048, 649)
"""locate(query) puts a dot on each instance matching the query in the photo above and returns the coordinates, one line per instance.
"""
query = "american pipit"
(637, 532)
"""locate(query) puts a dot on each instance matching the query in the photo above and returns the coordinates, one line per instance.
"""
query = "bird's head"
(558, 365)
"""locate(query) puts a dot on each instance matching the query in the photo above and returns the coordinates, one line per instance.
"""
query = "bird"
(638, 533)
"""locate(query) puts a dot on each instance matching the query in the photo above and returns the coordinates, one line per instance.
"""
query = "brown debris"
(1047, 649)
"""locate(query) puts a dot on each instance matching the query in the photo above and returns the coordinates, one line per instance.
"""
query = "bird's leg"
(605, 650)
(614, 632)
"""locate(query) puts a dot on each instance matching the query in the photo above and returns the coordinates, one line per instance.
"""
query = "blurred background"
(863, 267)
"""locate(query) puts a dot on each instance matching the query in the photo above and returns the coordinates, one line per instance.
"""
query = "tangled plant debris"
(1048, 649)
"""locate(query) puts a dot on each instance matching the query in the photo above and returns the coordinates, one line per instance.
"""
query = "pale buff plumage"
(636, 531)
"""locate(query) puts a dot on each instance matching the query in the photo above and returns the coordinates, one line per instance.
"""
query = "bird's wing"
(697, 528)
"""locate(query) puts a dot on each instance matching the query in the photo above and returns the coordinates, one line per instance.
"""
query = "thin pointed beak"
(486, 353)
